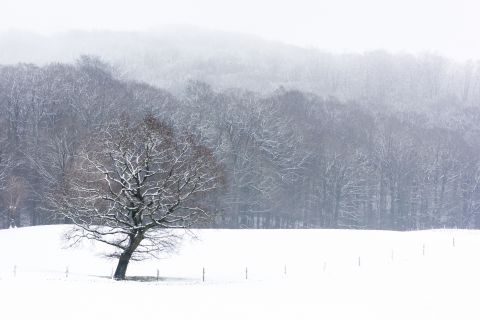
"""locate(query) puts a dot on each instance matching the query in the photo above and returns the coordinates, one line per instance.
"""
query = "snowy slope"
(306, 274)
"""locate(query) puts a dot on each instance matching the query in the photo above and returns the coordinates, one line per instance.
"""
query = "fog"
(442, 27)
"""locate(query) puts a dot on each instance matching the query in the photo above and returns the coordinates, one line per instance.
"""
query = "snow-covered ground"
(300, 274)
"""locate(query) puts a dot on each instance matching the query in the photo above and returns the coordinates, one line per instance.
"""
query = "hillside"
(171, 56)
(411, 275)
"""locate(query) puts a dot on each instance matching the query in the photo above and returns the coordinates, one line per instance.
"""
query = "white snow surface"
(292, 274)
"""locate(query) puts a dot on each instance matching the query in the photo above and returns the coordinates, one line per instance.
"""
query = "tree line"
(288, 158)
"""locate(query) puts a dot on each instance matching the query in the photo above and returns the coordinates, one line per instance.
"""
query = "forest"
(374, 141)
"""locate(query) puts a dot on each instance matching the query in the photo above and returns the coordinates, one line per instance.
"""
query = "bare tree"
(5, 167)
(5, 164)
(135, 184)
(13, 196)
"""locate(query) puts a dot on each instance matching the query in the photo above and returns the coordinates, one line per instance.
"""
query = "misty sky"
(448, 27)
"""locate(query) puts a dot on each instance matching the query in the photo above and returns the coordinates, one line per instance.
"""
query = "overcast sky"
(448, 27)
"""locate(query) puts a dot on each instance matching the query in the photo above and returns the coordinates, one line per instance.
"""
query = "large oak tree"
(133, 184)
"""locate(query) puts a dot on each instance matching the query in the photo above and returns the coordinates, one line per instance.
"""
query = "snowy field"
(249, 274)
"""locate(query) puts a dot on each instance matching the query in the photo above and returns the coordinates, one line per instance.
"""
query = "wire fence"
(317, 266)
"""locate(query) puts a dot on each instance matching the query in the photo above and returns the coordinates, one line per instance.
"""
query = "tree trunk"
(125, 257)
(122, 265)
(336, 210)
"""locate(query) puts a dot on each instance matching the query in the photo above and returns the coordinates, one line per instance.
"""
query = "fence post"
(158, 275)
(66, 272)
(203, 274)
(393, 255)
(453, 241)
(359, 261)
(246, 273)
(423, 250)
(285, 270)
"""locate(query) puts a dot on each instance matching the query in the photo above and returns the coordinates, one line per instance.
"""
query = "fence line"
(17, 271)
